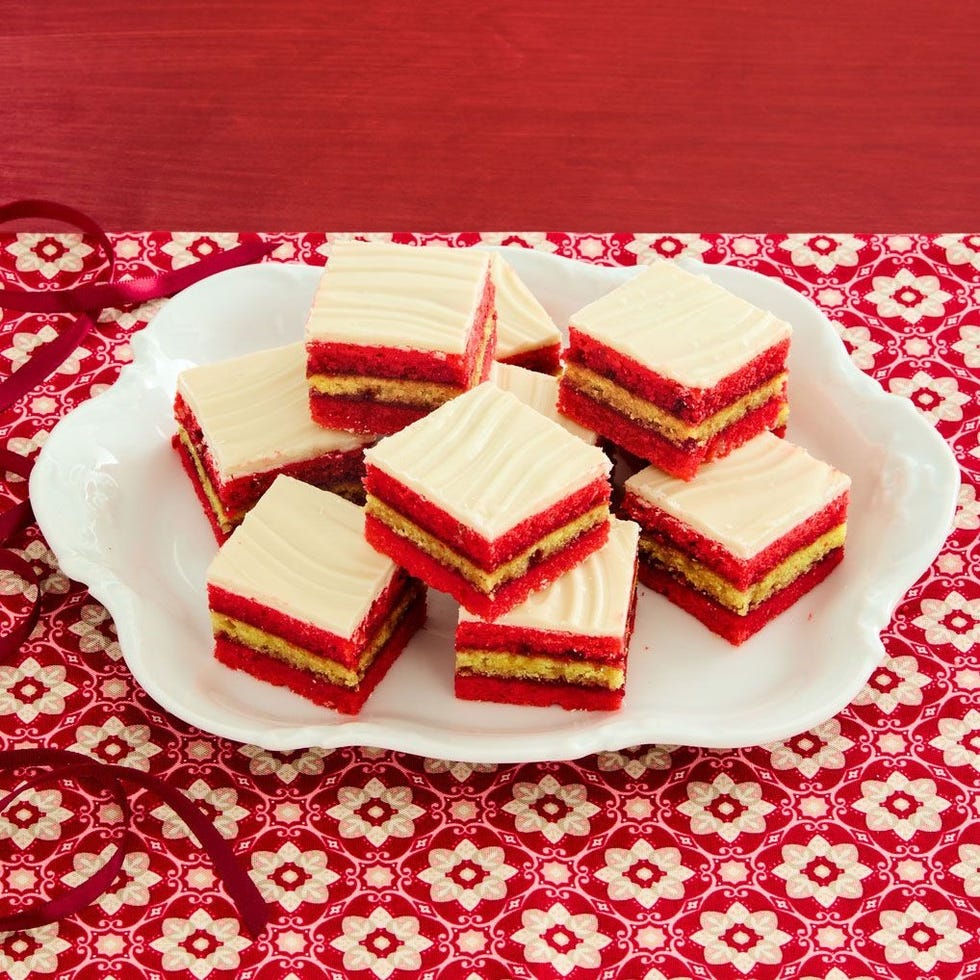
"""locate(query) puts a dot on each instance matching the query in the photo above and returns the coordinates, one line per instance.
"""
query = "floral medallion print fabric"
(849, 851)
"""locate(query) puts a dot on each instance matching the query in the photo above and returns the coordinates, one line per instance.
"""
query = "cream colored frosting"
(748, 499)
(254, 412)
(681, 325)
(522, 322)
(489, 460)
(403, 296)
(540, 391)
(302, 551)
(592, 599)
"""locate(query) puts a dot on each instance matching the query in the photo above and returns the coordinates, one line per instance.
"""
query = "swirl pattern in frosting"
(749, 498)
(540, 391)
(302, 551)
(522, 322)
(489, 460)
(254, 411)
(592, 599)
(681, 325)
(398, 296)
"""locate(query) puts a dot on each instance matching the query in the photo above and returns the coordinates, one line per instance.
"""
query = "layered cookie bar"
(564, 645)
(540, 391)
(243, 421)
(744, 539)
(394, 331)
(675, 369)
(486, 499)
(299, 599)
(526, 334)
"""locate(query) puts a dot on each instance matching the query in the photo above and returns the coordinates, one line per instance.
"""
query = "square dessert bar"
(299, 599)
(675, 369)
(243, 421)
(526, 334)
(395, 331)
(486, 499)
(746, 538)
(540, 391)
(564, 645)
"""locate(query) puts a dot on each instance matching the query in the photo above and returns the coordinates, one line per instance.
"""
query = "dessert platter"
(116, 507)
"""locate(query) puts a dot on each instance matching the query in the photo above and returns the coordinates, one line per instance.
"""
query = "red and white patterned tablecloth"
(850, 851)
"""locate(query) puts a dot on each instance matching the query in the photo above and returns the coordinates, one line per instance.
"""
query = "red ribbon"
(85, 301)
(72, 765)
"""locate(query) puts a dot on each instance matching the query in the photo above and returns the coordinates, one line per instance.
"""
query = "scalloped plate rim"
(583, 733)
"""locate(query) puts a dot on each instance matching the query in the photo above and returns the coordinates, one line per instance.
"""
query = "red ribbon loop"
(71, 765)
(84, 301)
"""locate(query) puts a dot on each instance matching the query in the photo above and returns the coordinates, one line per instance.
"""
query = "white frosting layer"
(680, 325)
(540, 391)
(522, 322)
(399, 296)
(593, 599)
(302, 551)
(489, 460)
(254, 412)
(748, 499)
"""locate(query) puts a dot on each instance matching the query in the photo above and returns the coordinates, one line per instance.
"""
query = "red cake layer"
(487, 554)
(479, 635)
(313, 638)
(403, 552)
(362, 415)
(645, 442)
(241, 493)
(314, 687)
(476, 687)
(741, 572)
(726, 623)
(371, 360)
(547, 359)
(692, 405)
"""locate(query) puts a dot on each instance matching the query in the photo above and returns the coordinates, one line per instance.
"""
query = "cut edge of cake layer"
(276, 661)
(526, 334)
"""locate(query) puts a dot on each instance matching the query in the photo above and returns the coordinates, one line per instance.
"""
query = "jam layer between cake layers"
(243, 421)
(675, 369)
(486, 499)
(746, 538)
(395, 331)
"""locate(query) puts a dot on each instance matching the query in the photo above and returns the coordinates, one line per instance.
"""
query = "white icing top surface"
(302, 551)
(404, 296)
(522, 322)
(254, 412)
(681, 325)
(489, 460)
(592, 599)
(749, 498)
(540, 391)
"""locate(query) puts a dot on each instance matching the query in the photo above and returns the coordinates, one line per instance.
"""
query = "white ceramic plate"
(120, 514)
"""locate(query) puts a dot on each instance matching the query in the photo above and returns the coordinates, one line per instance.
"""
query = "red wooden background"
(690, 115)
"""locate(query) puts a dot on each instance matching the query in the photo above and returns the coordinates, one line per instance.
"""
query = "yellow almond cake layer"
(226, 519)
(497, 663)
